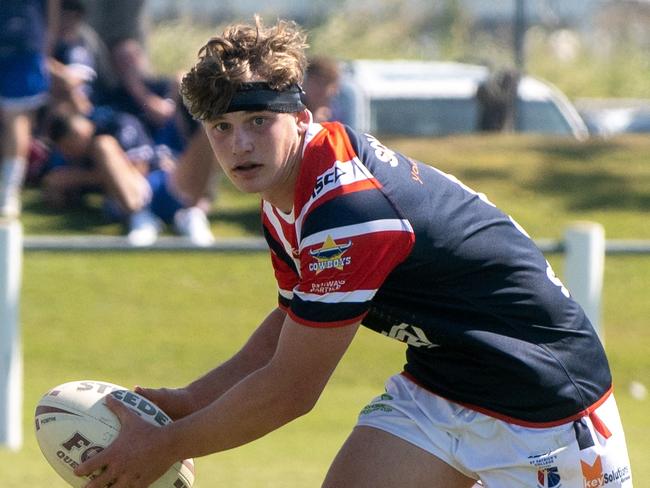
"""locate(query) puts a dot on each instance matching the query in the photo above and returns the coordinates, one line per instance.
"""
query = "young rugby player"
(505, 379)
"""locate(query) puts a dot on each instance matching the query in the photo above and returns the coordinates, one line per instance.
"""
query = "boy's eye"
(257, 121)
(221, 126)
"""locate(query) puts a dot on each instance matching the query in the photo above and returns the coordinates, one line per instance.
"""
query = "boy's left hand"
(135, 459)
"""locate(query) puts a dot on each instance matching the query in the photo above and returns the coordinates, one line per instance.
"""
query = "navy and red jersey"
(417, 256)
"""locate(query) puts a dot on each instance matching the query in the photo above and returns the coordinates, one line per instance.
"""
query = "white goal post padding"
(585, 268)
(11, 360)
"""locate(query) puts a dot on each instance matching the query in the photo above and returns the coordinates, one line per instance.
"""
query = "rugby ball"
(73, 423)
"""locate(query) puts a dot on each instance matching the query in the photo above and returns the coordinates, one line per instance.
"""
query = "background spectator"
(112, 152)
(497, 98)
(81, 68)
(24, 44)
(320, 86)
(116, 20)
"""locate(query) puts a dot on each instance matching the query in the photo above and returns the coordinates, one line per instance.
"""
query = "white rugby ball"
(73, 423)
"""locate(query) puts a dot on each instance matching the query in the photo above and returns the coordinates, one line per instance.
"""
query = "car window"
(422, 117)
(541, 117)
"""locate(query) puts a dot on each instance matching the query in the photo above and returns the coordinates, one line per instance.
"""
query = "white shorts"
(501, 454)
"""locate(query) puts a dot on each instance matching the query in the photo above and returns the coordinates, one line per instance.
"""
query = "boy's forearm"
(256, 406)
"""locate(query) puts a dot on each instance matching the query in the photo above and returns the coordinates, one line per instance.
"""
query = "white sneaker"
(144, 227)
(12, 174)
(10, 202)
(193, 224)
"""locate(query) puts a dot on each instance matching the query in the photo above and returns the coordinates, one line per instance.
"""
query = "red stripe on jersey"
(369, 184)
(287, 228)
(284, 275)
(327, 147)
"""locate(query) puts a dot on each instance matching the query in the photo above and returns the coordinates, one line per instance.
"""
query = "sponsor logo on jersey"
(411, 335)
(594, 477)
(328, 178)
(415, 172)
(382, 153)
(330, 255)
(327, 286)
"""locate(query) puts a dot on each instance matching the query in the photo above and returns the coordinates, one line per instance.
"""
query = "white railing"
(583, 244)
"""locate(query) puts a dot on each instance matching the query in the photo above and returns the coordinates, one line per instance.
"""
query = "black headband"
(259, 96)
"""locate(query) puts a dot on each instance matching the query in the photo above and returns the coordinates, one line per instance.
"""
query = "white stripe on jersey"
(341, 173)
(356, 296)
(268, 211)
(383, 225)
(288, 294)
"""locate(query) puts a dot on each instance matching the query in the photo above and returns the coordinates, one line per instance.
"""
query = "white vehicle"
(431, 98)
(609, 117)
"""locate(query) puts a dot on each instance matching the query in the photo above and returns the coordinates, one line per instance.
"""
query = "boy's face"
(260, 152)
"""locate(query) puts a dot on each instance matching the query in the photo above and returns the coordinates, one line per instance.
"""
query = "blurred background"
(544, 105)
(587, 48)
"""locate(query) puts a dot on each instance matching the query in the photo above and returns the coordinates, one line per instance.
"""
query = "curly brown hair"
(244, 53)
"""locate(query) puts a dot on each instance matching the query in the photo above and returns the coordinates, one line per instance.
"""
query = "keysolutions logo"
(594, 477)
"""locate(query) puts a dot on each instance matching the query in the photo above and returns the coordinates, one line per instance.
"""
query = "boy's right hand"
(175, 402)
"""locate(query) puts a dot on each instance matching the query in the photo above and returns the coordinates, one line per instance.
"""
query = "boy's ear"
(303, 119)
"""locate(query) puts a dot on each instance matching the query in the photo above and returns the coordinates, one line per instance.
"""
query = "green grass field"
(164, 318)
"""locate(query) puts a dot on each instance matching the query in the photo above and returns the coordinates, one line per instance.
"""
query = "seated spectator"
(123, 26)
(140, 91)
(112, 151)
(155, 100)
(80, 64)
(321, 84)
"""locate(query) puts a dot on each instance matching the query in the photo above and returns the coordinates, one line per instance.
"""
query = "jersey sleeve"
(351, 238)
(284, 264)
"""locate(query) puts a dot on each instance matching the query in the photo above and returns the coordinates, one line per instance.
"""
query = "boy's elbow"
(302, 401)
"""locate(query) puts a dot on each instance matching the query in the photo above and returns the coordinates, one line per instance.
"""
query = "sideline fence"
(583, 244)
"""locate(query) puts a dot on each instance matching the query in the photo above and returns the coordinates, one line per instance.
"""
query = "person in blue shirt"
(111, 152)
(25, 41)
(80, 65)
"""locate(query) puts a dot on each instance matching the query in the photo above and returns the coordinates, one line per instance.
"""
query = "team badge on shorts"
(549, 478)
(548, 474)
